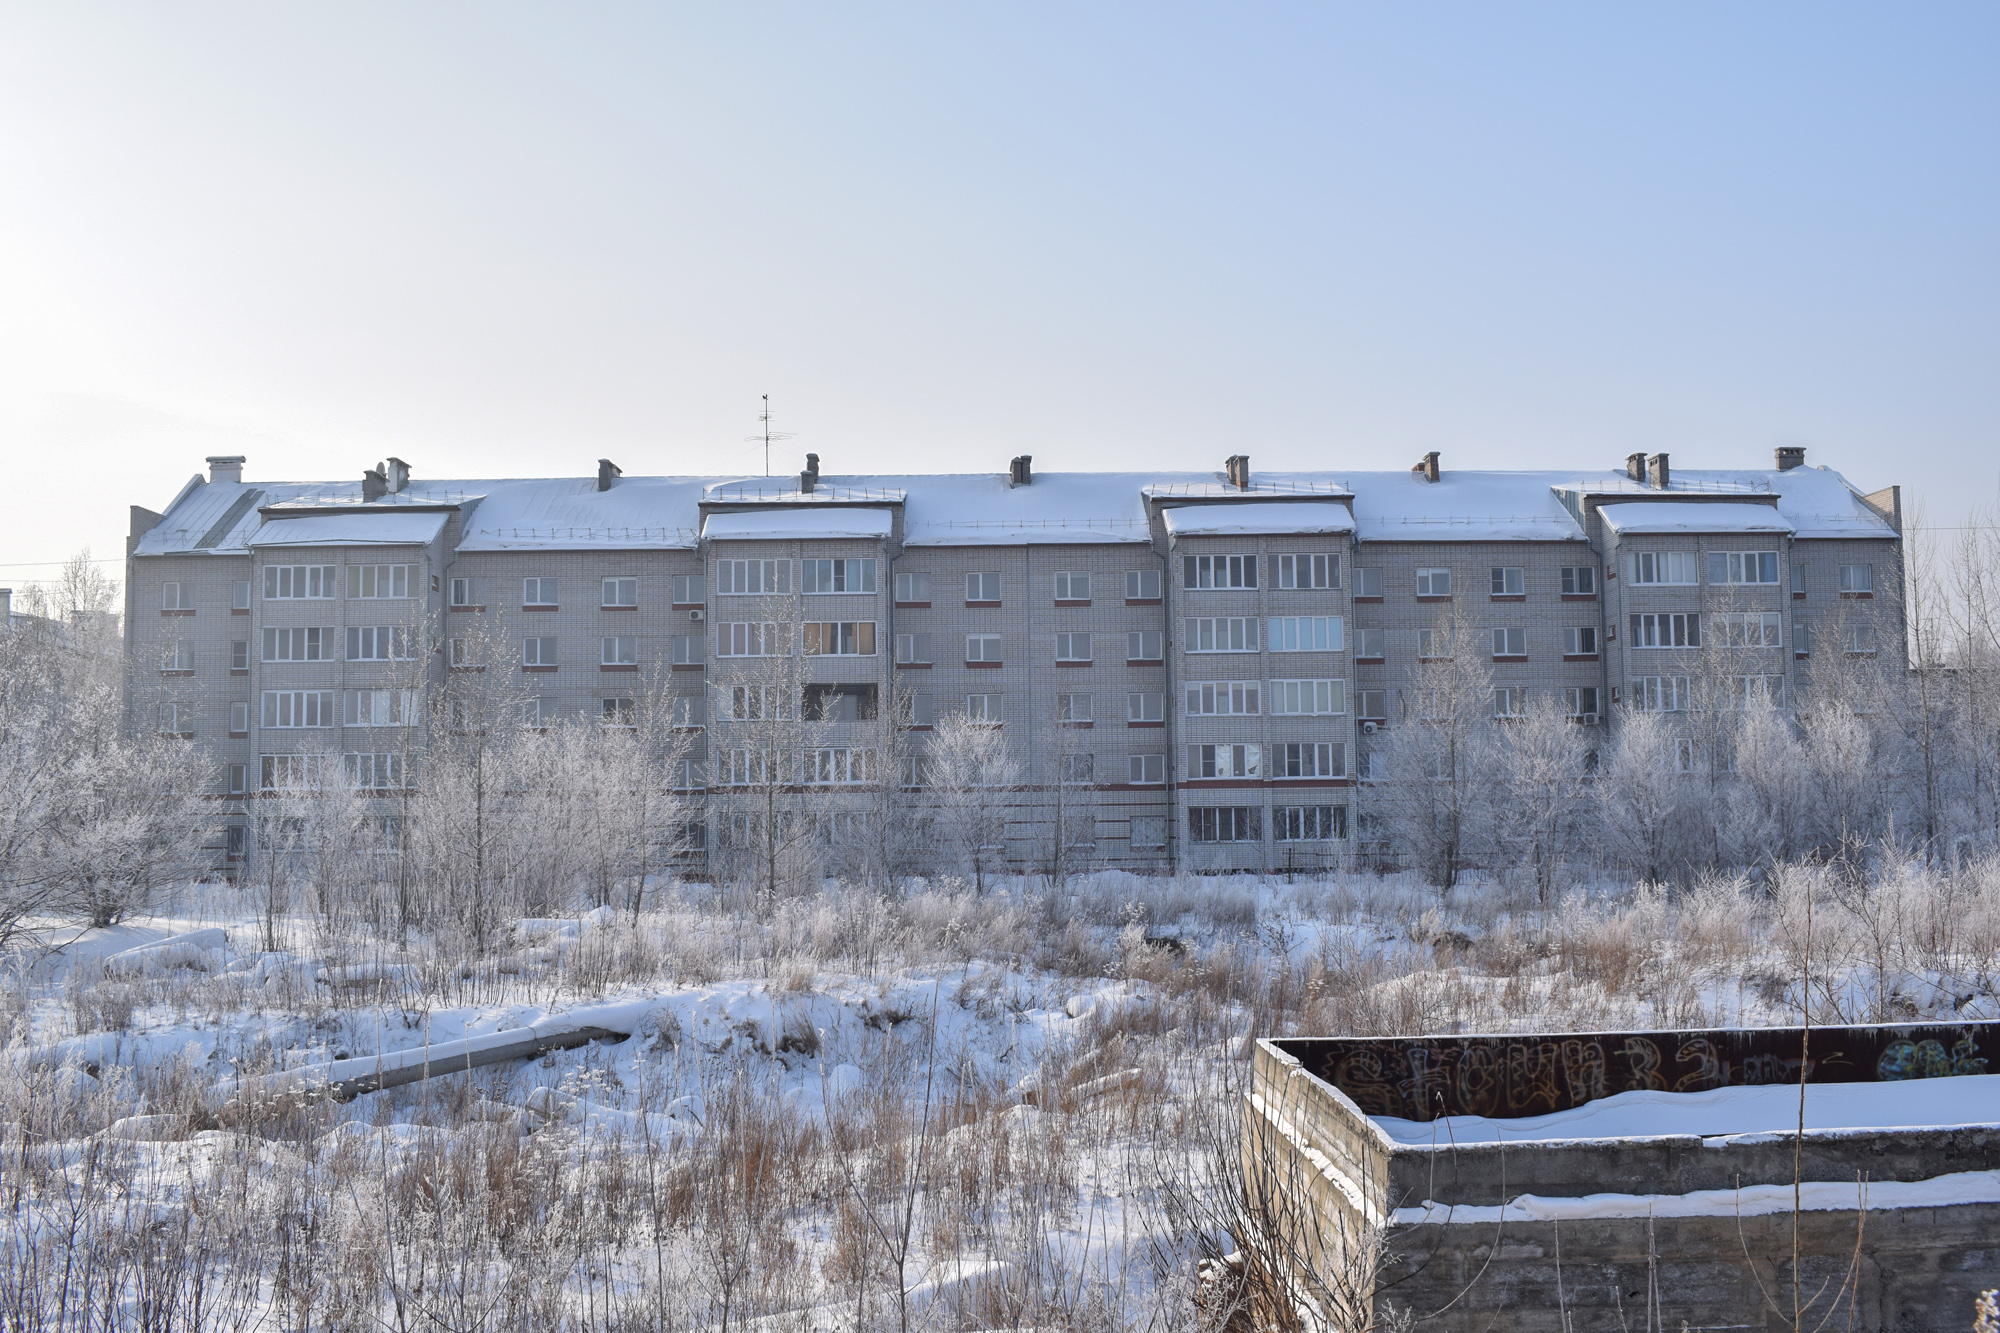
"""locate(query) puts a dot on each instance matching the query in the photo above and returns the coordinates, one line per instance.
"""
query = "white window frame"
(1309, 823)
(618, 650)
(690, 589)
(1073, 707)
(1508, 581)
(462, 592)
(1207, 573)
(1747, 629)
(1576, 696)
(1510, 701)
(1665, 630)
(1222, 698)
(1145, 645)
(1221, 634)
(1318, 761)
(540, 592)
(1576, 636)
(988, 708)
(1307, 634)
(381, 582)
(1072, 585)
(1225, 759)
(1665, 569)
(290, 583)
(984, 648)
(619, 592)
(380, 643)
(1660, 694)
(982, 586)
(538, 650)
(1073, 646)
(1747, 568)
(1510, 640)
(176, 596)
(1219, 824)
(1579, 580)
(913, 588)
(379, 708)
(752, 578)
(1307, 698)
(298, 643)
(1433, 582)
(293, 710)
(748, 638)
(913, 648)
(1145, 706)
(1146, 770)
(1142, 585)
(838, 638)
(823, 576)
(1309, 571)
(1857, 578)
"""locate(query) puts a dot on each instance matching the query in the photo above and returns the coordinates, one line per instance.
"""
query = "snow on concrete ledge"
(354, 529)
(1655, 516)
(1257, 516)
(796, 524)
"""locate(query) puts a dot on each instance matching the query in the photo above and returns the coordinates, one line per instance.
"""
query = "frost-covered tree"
(1540, 819)
(1443, 756)
(972, 776)
(1642, 795)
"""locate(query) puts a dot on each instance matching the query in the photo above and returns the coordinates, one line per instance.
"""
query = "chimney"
(397, 473)
(1429, 467)
(1635, 467)
(1020, 472)
(373, 485)
(1791, 456)
(810, 477)
(1237, 469)
(1658, 471)
(225, 467)
(607, 472)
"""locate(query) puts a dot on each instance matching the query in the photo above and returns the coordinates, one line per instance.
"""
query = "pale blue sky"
(506, 240)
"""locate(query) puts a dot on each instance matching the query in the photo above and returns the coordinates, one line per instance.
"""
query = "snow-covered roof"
(1692, 516)
(798, 524)
(1816, 500)
(362, 528)
(1460, 507)
(1056, 508)
(1268, 516)
(570, 513)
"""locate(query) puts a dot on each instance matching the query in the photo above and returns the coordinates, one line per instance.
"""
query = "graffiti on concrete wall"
(1506, 1077)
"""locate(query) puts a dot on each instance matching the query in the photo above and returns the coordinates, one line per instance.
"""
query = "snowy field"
(836, 1110)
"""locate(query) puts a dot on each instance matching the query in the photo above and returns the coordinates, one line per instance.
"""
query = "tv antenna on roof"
(768, 436)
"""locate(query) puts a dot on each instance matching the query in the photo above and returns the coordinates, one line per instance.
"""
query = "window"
(179, 656)
(986, 708)
(617, 712)
(690, 590)
(1683, 755)
(534, 713)
(176, 597)
(239, 782)
(1144, 707)
(1579, 581)
(1149, 830)
(1676, 567)
(982, 587)
(618, 650)
(1581, 702)
(1746, 629)
(840, 638)
(619, 592)
(373, 770)
(176, 718)
(1144, 645)
(379, 643)
(982, 647)
(293, 772)
(744, 768)
(1306, 634)
(1756, 692)
(923, 709)
(462, 593)
(313, 644)
(1857, 578)
(1238, 823)
(1509, 701)
(826, 576)
(239, 654)
(840, 765)
(1743, 567)
(1580, 641)
(1509, 582)
(1219, 571)
(1372, 705)
(1222, 634)
(756, 703)
(1367, 583)
(1142, 585)
(1146, 770)
(1308, 571)
(687, 649)
(1801, 638)
(1072, 647)
(538, 652)
(293, 581)
(298, 708)
(749, 639)
(1072, 708)
(1660, 694)
(913, 588)
(1434, 644)
(375, 581)
(752, 578)
(379, 708)
(1371, 643)
(1860, 638)
(1308, 697)
(1225, 761)
(1309, 823)
(1798, 580)
(1079, 770)
(1510, 641)
(461, 653)
(690, 710)
(1433, 583)
(840, 703)
(1666, 631)
(538, 592)
(239, 718)
(1309, 759)
(1072, 587)
(913, 648)
(239, 595)
(1221, 698)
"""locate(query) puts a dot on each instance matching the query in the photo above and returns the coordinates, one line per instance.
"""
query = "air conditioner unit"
(696, 615)
(1588, 719)
(1368, 728)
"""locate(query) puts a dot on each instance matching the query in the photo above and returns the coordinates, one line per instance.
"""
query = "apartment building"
(1210, 661)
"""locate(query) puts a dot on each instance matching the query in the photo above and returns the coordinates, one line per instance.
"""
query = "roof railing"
(1217, 488)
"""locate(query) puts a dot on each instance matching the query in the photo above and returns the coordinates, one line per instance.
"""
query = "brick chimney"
(1021, 472)
(397, 473)
(809, 479)
(225, 468)
(1237, 469)
(607, 472)
(1791, 456)
(1428, 467)
(1635, 466)
(1657, 469)
(373, 485)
